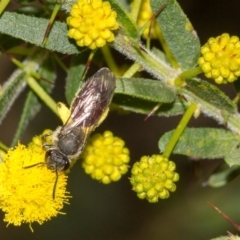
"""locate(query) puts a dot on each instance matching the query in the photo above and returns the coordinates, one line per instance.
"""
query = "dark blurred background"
(113, 211)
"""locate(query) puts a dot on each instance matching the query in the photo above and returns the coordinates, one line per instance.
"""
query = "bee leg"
(44, 136)
(46, 144)
(55, 185)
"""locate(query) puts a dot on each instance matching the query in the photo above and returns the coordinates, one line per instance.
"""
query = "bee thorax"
(71, 142)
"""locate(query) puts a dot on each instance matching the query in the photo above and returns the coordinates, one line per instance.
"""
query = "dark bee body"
(89, 106)
(70, 143)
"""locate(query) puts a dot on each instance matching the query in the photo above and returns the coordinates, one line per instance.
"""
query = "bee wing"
(92, 100)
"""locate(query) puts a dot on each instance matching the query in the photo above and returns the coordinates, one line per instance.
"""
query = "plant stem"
(110, 60)
(21, 66)
(60, 62)
(180, 128)
(3, 147)
(179, 81)
(166, 49)
(131, 70)
(50, 22)
(20, 51)
(3, 5)
(42, 94)
(136, 4)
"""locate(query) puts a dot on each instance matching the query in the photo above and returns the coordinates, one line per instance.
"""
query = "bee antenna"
(56, 180)
(34, 164)
(55, 184)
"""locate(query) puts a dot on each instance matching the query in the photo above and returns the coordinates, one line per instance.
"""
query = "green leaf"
(75, 73)
(210, 94)
(233, 157)
(31, 107)
(137, 105)
(133, 104)
(16, 83)
(161, 55)
(172, 109)
(157, 67)
(142, 94)
(208, 143)
(11, 90)
(147, 89)
(125, 20)
(223, 175)
(32, 104)
(32, 29)
(178, 33)
(128, 97)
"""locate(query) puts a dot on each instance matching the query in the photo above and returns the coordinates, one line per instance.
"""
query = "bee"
(88, 109)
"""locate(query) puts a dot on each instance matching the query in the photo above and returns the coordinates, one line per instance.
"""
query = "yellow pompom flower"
(26, 193)
(221, 58)
(153, 178)
(105, 157)
(91, 23)
(145, 14)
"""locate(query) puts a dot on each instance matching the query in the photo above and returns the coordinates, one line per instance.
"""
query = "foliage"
(170, 87)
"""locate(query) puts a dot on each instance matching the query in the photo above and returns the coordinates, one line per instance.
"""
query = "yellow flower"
(153, 178)
(105, 157)
(91, 23)
(144, 16)
(26, 194)
(221, 58)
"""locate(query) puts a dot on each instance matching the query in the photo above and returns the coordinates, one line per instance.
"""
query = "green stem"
(21, 66)
(42, 94)
(20, 51)
(3, 147)
(191, 73)
(136, 4)
(50, 22)
(60, 62)
(132, 70)
(236, 100)
(110, 60)
(92, 53)
(165, 47)
(3, 5)
(179, 81)
(180, 128)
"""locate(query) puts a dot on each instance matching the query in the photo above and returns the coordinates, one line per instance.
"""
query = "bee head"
(56, 160)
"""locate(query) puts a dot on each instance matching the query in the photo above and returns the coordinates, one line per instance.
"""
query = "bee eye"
(56, 160)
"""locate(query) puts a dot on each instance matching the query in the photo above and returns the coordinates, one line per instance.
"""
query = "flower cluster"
(91, 23)
(153, 177)
(105, 157)
(145, 14)
(26, 186)
(221, 58)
